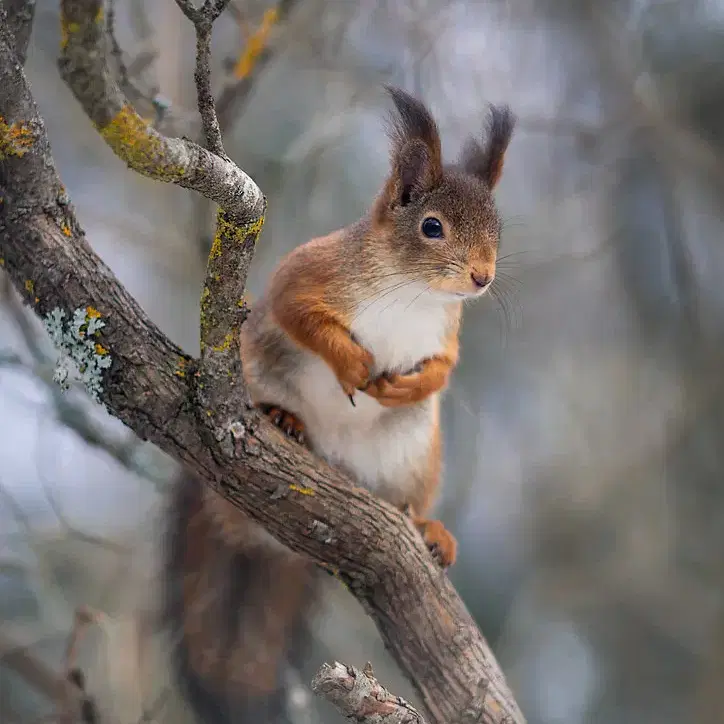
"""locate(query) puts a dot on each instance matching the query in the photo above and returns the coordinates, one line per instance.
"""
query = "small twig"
(246, 70)
(116, 51)
(203, 20)
(251, 63)
(361, 698)
(83, 618)
(28, 666)
(153, 386)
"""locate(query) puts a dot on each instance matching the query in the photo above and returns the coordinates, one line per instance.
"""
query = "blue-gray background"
(583, 428)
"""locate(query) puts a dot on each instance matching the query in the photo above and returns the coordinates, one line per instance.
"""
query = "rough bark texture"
(361, 698)
(20, 14)
(157, 390)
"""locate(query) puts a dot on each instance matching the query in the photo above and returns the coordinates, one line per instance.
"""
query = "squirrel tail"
(237, 606)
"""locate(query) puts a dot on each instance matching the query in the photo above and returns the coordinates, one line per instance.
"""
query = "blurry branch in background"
(197, 410)
(256, 53)
(255, 56)
(136, 76)
(66, 690)
(359, 697)
(73, 412)
(642, 102)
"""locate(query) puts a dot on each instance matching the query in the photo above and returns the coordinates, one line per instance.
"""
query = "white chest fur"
(400, 328)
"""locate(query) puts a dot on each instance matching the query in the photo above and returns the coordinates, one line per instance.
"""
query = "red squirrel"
(348, 351)
(357, 334)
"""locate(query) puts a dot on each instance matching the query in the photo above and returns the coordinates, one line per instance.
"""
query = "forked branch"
(193, 408)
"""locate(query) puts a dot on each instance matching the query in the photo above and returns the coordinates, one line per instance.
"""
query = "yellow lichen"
(180, 372)
(215, 247)
(29, 286)
(238, 232)
(100, 349)
(92, 313)
(136, 143)
(2, 261)
(65, 229)
(67, 29)
(303, 490)
(256, 43)
(16, 139)
(241, 302)
(226, 344)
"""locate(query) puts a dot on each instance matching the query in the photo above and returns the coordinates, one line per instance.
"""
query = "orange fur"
(305, 306)
(240, 601)
(396, 390)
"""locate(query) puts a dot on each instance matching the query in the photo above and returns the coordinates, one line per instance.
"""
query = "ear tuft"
(486, 162)
(416, 148)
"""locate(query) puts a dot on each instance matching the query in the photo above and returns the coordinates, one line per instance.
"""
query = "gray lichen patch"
(82, 357)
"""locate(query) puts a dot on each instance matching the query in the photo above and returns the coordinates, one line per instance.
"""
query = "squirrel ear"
(416, 152)
(486, 162)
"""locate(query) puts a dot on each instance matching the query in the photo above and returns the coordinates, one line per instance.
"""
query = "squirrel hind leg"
(288, 423)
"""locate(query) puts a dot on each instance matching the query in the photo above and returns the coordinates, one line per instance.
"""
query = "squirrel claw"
(440, 542)
(289, 424)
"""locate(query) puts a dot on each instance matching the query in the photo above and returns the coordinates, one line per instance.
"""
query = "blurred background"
(583, 428)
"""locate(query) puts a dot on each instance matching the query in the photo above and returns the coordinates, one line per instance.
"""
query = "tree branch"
(361, 698)
(160, 392)
(257, 55)
(203, 20)
(19, 16)
(84, 67)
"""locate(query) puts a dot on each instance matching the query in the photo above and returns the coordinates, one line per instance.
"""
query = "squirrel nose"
(481, 280)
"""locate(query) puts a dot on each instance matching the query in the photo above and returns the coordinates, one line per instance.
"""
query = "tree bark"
(183, 404)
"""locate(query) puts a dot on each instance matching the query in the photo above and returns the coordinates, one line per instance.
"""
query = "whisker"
(510, 308)
(507, 281)
(377, 296)
(515, 253)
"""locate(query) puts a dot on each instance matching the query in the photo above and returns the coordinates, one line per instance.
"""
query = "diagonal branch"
(160, 393)
(84, 67)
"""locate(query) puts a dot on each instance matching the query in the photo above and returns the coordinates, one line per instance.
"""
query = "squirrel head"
(439, 223)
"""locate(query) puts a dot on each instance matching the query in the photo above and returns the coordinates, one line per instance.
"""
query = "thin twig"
(361, 698)
(203, 20)
(153, 385)
(238, 90)
(67, 705)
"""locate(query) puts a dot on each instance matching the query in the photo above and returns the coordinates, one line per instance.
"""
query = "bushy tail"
(236, 606)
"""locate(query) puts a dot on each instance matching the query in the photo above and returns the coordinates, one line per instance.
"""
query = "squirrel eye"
(432, 228)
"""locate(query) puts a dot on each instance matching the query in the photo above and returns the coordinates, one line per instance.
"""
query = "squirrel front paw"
(289, 424)
(352, 364)
(394, 390)
(439, 540)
